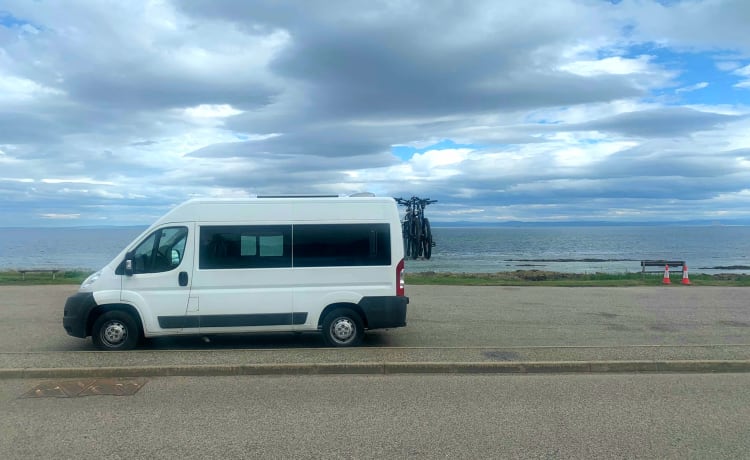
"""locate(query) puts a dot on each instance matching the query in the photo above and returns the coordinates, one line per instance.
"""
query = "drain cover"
(89, 387)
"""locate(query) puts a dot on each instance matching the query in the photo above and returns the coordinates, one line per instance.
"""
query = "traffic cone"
(685, 279)
(666, 279)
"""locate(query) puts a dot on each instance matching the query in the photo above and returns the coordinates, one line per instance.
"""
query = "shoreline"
(508, 278)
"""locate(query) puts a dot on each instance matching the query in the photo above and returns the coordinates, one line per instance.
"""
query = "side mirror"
(129, 270)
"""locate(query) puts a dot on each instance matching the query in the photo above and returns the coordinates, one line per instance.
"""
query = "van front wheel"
(343, 328)
(115, 330)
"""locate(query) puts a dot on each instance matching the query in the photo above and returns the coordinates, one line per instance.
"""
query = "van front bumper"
(77, 309)
(383, 312)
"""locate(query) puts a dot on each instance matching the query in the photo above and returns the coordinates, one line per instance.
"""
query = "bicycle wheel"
(414, 237)
(405, 235)
(427, 240)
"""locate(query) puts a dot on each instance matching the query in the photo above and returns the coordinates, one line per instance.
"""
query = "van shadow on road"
(252, 341)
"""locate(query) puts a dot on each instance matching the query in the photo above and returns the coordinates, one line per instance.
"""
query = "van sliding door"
(241, 283)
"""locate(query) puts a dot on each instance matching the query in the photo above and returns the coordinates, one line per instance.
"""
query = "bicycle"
(416, 229)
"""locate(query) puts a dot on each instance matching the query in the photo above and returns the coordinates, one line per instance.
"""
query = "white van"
(329, 264)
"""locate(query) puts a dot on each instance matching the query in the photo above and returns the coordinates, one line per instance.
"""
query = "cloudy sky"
(513, 110)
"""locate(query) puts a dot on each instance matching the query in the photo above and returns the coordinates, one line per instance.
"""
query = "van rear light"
(400, 278)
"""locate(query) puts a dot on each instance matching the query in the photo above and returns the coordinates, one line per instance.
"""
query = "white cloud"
(212, 111)
(615, 65)
(745, 73)
(691, 88)
(84, 181)
(15, 89)
(728, 66)
(463, 212)
(112, 104)
(60, 216)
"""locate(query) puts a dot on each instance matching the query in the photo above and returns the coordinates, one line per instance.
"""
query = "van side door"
(158, 277)
(242, 279)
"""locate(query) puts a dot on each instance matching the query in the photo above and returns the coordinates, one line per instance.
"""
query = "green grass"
(12, 277)
(515, 278)
(544, 278)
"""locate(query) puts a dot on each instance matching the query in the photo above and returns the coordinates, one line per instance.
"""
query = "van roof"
(270, 198)
(212, 209)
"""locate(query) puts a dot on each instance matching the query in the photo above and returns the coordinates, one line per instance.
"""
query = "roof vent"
(298, 196)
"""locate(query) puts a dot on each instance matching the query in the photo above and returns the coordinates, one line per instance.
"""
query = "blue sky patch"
(405, 152)
(7, 20)
(695, 69)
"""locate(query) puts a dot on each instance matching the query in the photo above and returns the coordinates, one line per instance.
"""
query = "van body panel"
(108, 297)
(315, 288)
(350, 210)
(227, 293)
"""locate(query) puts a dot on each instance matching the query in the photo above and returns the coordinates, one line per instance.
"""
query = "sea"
(596, 249)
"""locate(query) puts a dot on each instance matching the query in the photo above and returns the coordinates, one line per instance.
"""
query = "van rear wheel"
(343, 328)
(115, 330)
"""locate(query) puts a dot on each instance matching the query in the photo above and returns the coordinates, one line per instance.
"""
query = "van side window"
(241, 246)
(341, 245)
(162, 251)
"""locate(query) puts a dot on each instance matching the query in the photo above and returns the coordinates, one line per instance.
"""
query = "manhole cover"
(89, 387)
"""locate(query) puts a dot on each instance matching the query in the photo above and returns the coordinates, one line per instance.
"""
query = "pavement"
(450, 330)
(468, 360)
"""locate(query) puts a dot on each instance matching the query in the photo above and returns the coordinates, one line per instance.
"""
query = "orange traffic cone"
(685, 279)
(666, 279)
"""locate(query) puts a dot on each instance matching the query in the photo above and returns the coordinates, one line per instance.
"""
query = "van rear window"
(306, 245)
(341, 245)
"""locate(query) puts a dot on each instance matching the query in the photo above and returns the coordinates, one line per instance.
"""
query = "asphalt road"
(545, 417)
(450, 316)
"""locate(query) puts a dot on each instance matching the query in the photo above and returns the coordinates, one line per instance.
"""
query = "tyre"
(427, 240)
(407, 240)
(343, 327)
(115, 330)
(414, 244)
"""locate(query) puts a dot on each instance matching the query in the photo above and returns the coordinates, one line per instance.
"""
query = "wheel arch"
(102, 309)
(347, 305)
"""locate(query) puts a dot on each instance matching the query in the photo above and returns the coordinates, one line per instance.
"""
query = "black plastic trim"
(384, 311)
(261, 319)
(76, 313)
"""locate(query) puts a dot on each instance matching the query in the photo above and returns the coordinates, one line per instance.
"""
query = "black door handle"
(183, 279)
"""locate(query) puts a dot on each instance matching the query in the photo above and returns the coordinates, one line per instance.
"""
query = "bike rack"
(418, 241)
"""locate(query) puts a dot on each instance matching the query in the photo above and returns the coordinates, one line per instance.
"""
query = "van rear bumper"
(384, 311)
(77, 309)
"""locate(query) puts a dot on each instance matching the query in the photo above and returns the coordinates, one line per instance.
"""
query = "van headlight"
(91, 279)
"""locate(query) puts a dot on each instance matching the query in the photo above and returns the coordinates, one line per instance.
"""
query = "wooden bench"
(24, 272)
(660, 263)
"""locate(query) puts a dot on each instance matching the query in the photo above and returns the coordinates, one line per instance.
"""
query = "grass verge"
(12, 277)
(514, 278)
(545, 278)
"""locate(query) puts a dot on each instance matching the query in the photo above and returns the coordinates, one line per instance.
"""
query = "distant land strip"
(572, 260)
(727, 267)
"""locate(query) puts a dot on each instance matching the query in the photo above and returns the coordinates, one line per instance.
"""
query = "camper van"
(269, 264)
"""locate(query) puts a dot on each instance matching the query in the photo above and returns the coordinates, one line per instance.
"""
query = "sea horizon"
(610, 249)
